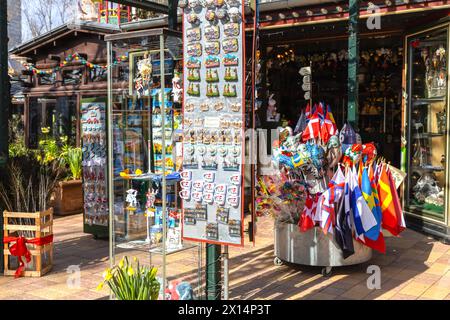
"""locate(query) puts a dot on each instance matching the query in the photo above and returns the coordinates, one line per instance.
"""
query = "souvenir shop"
(402, 79)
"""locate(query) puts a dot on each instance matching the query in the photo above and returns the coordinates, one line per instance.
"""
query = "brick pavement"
(414, 267)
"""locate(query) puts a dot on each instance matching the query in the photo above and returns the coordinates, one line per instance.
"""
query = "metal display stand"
(313, 248)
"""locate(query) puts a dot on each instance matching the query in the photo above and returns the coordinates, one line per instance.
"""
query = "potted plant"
(26, 186)
(69, 193)
(131, 283)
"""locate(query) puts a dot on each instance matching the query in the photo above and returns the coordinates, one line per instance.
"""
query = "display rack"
(145, 218)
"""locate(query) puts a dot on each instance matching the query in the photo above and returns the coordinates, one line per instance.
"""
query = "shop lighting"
(339, 9)
(309, 13)
(324, 11)
(282, 16)
(269, 17)
(295, 14)
(406, 1)
(388, 3)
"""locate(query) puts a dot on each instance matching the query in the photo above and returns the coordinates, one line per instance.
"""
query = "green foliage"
(73, 158)
(132, 283)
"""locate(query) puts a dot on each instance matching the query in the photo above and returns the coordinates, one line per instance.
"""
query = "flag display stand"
(313, 248)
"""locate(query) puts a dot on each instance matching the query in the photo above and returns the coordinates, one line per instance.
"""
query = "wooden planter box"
(68, 198)
(41, 256)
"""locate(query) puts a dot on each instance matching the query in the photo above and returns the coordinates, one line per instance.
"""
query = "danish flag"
(312, 129)
(306, 221)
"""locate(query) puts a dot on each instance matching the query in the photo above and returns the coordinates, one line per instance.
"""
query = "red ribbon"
(19, 249)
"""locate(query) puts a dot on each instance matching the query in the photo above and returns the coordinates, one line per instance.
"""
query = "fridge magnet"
(219, 199)
(188, 122)
(212, 231)
(235, 107)
(212, 90)
(230, 60)
(234, 14)
(193, 89)
(222, 13)
(229, 45)
(197, 196)
(209, 176)
(212, 75)
(194, 4)
(222, 215)
(222, 151)
(221, 188)
(210, 15)
(219, 3)
(198, 185)
(189, 216)
(231, 164)
(229, 90)
(207, 137)
(186, 175)
(204, 107)
(192, 18)
(214, 137)
(189, 150)
(233, 190)
(209, 187)
(231, 74)
(236, 123)
(193, 74)
(235, 179)
(212, 33)
(193, 63)
(209, 162)
(198, 122)
(212, 48)
(212, 62)
(194, 34)
(231, 29)
(185, 194)
(190, 162)
(234, 228)
(201, 212)
(218, 106)
(201, 150)
(186, 184)
(208, 197)
(233, 201)
(194, 50)
(209, 3)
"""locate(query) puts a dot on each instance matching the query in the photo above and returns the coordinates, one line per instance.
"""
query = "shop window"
(73, 76)
(98, 74)
(56, 115)
(47, 79)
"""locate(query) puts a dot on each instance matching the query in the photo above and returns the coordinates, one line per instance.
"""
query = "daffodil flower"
(130, 271)
(122, 263)
(100, 286)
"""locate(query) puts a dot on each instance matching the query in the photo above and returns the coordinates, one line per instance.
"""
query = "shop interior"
(284, 51)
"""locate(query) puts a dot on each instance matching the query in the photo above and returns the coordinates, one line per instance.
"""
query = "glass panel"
(137, 146)
(427, 122)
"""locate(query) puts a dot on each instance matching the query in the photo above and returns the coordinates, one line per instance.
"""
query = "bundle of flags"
(319, 123)
(360, 201)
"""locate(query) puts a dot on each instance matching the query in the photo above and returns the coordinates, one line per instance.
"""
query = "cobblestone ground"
(414, 267)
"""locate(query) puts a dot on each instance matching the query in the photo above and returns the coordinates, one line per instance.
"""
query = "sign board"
(213, 132)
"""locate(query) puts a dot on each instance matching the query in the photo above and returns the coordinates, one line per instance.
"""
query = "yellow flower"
(122, 263)
(45, 130)
(138, 172)
(123, 174)
(100, 286)
(107, 275)
(130, 271)
(134, 259)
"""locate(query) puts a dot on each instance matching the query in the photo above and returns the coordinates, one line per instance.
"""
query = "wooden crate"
(41, 256)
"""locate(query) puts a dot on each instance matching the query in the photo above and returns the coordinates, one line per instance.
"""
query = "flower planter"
(28, 243)
(68, 198)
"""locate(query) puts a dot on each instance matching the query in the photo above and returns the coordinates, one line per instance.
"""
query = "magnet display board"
(213, 121)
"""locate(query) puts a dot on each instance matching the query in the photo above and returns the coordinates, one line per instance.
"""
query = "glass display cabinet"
(426, 130)
(144, 152)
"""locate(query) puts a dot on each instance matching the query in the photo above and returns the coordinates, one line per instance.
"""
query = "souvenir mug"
(208, 176)
(186, 175)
